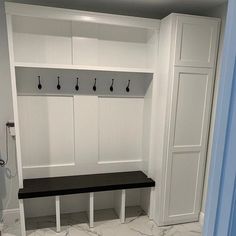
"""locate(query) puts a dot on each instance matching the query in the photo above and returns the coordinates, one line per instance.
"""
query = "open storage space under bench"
(67, 185)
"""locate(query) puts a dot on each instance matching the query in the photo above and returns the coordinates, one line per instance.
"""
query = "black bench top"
(56, 186)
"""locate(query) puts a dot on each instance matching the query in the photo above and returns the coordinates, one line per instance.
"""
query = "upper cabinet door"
(196, 41)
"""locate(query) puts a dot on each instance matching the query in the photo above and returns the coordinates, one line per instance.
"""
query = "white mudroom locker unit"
(111, 111)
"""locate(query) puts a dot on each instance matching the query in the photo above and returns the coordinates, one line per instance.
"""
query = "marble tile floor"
(106, 224)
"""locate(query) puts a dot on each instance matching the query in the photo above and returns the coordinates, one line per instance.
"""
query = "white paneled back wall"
(120, 129)
(110, 45)
(47, 131)
(42, 41)
(50, 41)
(80, 134)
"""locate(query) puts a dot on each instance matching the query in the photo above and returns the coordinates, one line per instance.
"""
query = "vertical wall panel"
(120, 129)
(46, 130)
(86, 129)
(42, 40)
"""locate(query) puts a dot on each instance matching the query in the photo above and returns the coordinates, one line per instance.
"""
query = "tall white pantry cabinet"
(161, 123)
(187, 58)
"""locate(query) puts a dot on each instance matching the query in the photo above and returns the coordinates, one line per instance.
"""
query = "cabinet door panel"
(183, 183)
(191, 100)
(196, 41)
(190, 115)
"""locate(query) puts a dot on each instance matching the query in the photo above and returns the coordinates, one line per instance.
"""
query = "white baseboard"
(10, 216)
(201, 218)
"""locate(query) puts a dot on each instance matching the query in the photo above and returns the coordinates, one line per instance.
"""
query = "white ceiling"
(143, 8)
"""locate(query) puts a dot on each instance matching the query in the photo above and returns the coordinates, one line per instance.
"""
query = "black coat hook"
(39, 83)
(58, 83)
(94, 86)
(127, 88)
(77, 84)
(111, 87)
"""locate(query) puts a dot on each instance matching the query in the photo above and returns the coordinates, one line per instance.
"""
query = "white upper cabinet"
(196, 41)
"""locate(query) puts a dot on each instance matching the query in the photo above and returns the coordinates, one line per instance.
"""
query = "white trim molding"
(201, 218)
(10, 216)
(77, 15)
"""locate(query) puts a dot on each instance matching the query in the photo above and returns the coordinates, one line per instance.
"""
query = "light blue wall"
(219, 12)
(223, 166)
(227, 190)
(232, 229)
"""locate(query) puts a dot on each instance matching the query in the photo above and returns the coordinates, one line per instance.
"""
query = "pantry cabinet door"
(187, 144)
(196, 41)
